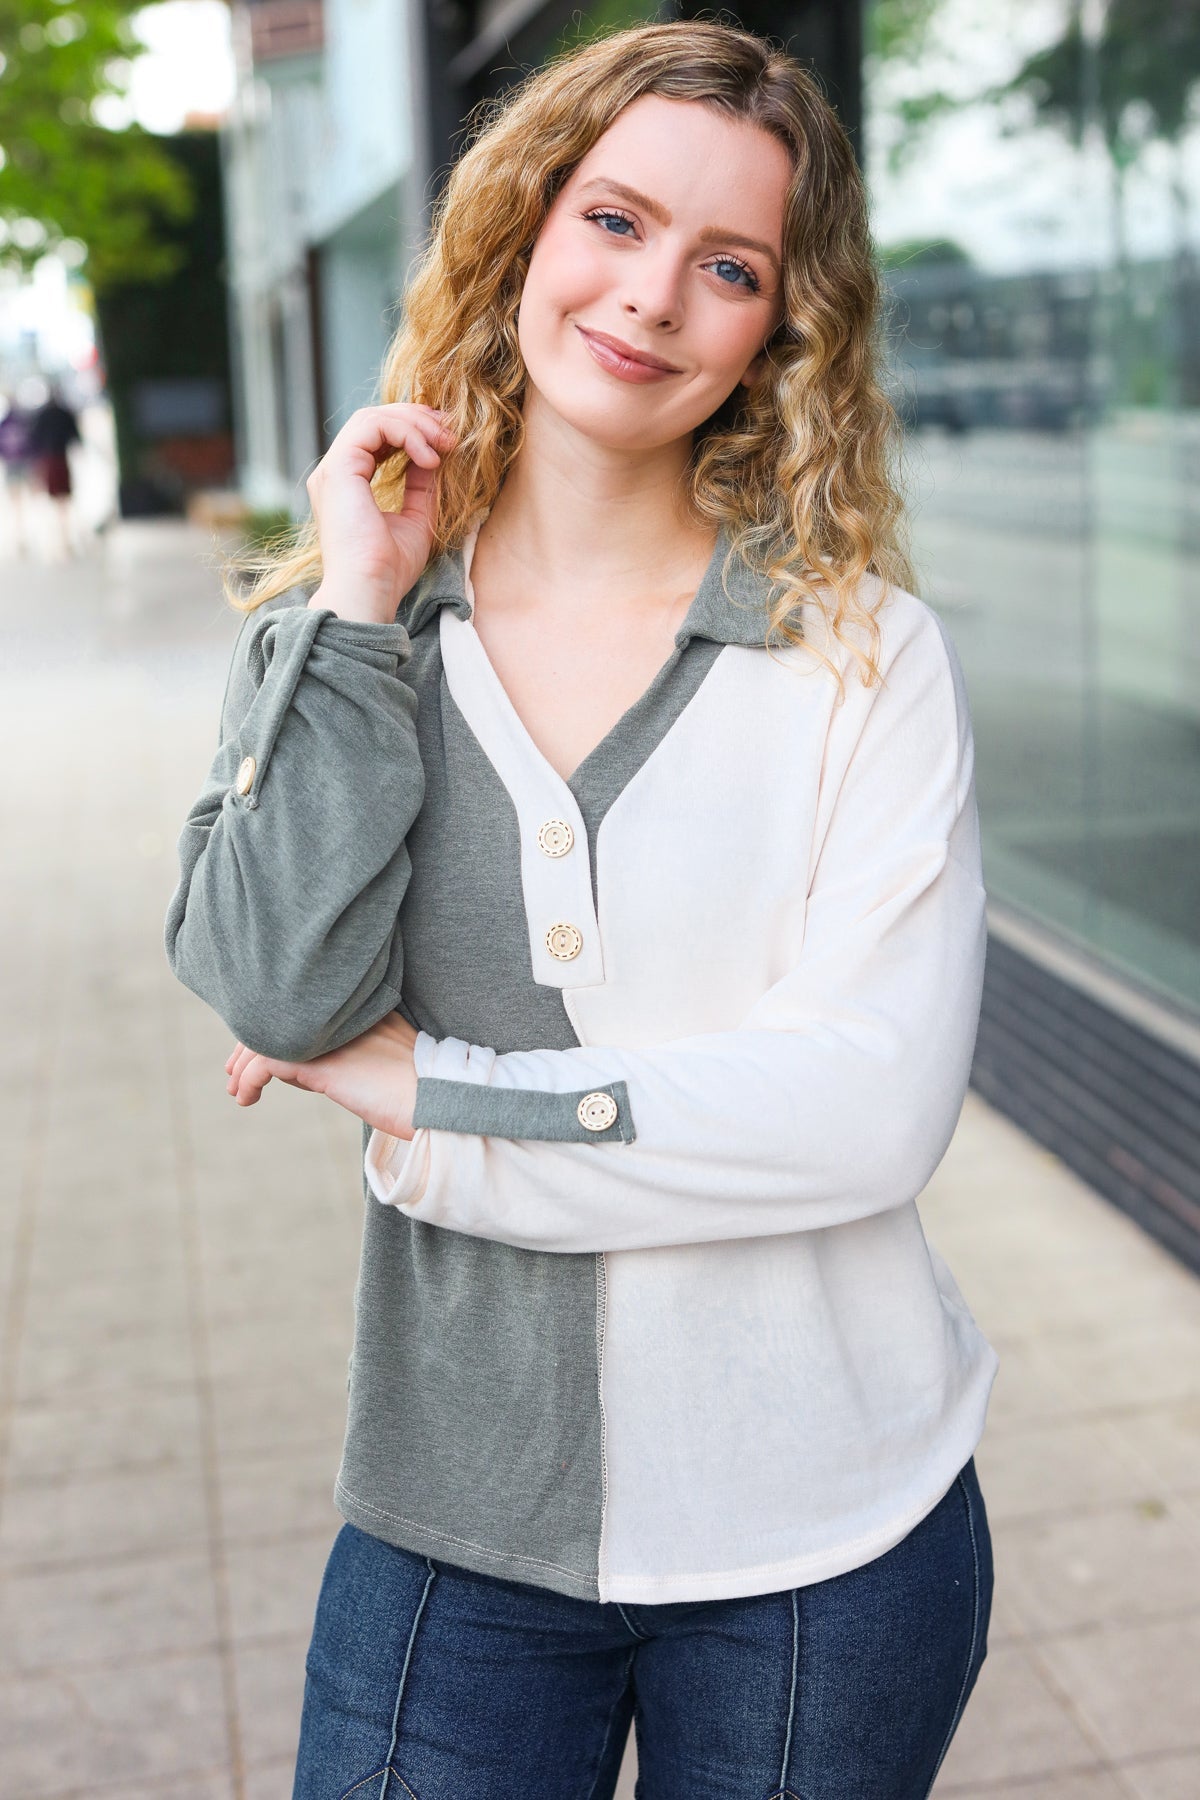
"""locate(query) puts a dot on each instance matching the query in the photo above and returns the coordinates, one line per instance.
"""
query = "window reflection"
(1035, 180)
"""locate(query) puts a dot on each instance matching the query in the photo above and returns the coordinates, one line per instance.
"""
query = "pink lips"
(623, 360)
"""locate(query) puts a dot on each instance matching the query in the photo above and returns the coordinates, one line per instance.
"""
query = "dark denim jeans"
(429, 1682)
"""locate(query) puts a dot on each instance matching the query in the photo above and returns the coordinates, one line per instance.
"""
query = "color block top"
(645, 1311)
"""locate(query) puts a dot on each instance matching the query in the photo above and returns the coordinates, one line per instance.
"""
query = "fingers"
(235, 1065)
(425, 444)
(252, 1079)
(248, 1074)
(375, 432)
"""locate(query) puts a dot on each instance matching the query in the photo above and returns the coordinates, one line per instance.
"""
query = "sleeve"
(834, 1098)
(292, 860)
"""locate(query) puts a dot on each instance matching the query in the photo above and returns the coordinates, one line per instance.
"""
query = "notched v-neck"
(609, 765)
(641, 710)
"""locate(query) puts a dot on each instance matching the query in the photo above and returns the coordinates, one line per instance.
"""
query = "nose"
(654, 290)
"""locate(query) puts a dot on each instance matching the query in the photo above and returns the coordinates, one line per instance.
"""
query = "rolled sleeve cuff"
(280, 645)
(589, 1116)
(397, 1169)
(453, 1094)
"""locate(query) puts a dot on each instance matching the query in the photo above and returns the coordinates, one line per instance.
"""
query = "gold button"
(596, 1112)
(555, 837)
(245, 775)
(564, 942)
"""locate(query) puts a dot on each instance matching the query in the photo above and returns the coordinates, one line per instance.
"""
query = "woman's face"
(666, 240)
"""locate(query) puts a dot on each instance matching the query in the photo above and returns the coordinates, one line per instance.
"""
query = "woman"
(53, 429)
(594, 818)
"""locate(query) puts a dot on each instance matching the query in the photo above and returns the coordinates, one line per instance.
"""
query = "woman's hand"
(370, 559)
(373, 1076)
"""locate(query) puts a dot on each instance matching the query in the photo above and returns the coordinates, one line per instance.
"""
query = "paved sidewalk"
(177, 1278)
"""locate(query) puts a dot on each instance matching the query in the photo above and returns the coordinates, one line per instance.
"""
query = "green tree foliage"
(63, 175)
(1140, 74)
(898, 30)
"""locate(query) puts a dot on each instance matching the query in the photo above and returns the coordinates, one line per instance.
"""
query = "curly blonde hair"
(799, 466)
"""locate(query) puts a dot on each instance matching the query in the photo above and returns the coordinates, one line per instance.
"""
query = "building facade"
(320, 167)
(1035, 182)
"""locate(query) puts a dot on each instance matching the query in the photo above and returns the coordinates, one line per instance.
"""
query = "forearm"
(819, 1111)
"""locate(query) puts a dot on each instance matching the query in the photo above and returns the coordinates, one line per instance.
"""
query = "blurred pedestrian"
(16, 455)
(54, 428)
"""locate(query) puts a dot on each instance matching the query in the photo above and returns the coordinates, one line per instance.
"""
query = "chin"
(626, 420)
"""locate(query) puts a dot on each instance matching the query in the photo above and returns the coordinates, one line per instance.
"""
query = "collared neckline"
(733, 613)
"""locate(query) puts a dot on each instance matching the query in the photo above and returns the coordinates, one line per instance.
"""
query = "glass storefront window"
(1035, 184)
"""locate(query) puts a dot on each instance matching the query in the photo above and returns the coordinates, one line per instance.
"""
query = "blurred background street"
(171, 1407)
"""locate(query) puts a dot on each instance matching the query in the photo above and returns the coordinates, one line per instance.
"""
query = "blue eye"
(739, 268)
(603, 217)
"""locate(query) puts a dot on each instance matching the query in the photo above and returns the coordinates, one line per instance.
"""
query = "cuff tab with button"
(588, 1116)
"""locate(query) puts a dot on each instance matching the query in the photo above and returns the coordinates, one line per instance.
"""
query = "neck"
(591, 520)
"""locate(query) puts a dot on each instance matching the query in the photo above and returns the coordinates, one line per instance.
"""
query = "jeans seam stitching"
(641, 1636)
(385, 1771)
(787, 1743)
(958, 1709)
(412, 1638)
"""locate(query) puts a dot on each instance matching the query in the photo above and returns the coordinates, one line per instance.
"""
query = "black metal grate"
(1116, 1104)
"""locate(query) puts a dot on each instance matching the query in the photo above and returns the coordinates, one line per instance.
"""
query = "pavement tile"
(107, 1611)
(124, 1357)
(1028, 1388)
(273, 1587)
(270, 1781)
(1164, 1778)
(1166, 1439)
(1125, 1562)
(261, 1417)
(1058, 1467)
(314, 1288)
(1036, 1291)
(275, 1495)
(97, 1307)
(988, 1747)
(1136, 1684)
(217, 1786)
(124, 1723)
(1146, 1363)
(108, 1514)
(147, 1429)
(277, 1343)
(1006, 1620)
(627, 1775)
(1092, 1784)
(270, 1690)
(79, 1248)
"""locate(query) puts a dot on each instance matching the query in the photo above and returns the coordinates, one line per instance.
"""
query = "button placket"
(556, 883)
(564, 940)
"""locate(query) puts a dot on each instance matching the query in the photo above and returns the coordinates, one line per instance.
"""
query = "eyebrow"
(712, 234)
